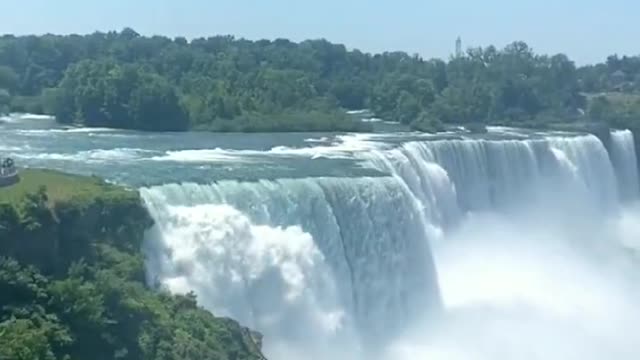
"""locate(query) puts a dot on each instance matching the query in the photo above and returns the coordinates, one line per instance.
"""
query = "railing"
(8, 172)
(8, 177)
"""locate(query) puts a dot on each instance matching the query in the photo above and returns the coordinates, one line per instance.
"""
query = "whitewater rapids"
(466, 249)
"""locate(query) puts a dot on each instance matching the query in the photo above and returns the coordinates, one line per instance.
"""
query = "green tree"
(22, 339)
(600, 108)
(8, 78)
(223, 83)
(154, 105)
(407, 108)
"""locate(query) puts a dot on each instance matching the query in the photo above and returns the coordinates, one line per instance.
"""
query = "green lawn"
(61, 187)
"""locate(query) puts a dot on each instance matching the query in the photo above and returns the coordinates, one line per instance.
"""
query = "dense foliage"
(72, 285)
(122, 79)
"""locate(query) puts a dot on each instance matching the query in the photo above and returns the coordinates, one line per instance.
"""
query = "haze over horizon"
(587, 31)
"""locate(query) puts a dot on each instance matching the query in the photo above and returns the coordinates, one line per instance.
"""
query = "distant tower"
(458, 47)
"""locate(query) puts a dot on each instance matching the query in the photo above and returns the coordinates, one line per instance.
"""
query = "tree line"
(125, 80)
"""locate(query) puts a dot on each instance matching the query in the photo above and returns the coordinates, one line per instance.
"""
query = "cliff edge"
(72, 281)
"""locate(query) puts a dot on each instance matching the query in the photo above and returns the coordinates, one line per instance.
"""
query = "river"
(510, 245)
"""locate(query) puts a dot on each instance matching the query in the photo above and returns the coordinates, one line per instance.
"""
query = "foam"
(342, 148)
(98, 155)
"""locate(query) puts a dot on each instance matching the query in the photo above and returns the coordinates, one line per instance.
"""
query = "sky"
(586, 30)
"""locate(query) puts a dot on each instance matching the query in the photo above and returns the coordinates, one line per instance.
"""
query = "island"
(72, 280)
(121, 79)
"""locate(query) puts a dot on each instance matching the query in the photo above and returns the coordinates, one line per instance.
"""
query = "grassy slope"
(61, 187)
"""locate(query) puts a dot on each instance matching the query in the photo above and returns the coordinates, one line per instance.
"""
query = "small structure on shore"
(8, 172)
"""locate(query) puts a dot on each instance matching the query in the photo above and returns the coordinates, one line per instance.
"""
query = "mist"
(534, 285)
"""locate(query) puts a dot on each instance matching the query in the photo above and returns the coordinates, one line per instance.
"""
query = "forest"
(125, 80)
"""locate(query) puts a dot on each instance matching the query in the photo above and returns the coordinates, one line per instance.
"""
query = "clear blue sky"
(586, 30)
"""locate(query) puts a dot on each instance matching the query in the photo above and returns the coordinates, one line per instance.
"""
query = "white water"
(342, 147)
(543, 274)
(272, 278)
(19, 117)
(530, 240)
(622, 154)
(345, 259)
(96, 155)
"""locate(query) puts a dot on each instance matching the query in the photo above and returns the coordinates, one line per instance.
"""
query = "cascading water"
(526, 234)
(537, 267)
(624, 157)
(453, 177)
(345, 259)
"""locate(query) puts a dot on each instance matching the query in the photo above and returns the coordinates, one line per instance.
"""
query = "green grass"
(61, 187)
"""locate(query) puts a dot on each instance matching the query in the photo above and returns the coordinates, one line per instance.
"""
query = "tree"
(600, 108)
(8, 78)
(407, 108)
(154, 105)
(96, 93)
(427, 122)
(220, 82)
(22, 339)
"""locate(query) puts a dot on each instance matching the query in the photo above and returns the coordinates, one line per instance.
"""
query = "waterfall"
(344, 257)
(624, 159)
(343, 267)
(453, 177)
